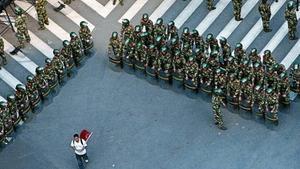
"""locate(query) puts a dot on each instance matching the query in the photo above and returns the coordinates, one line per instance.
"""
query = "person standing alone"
(79, 146)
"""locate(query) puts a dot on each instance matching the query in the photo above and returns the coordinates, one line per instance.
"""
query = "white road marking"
(161, 9)
(103, 11)
(133, 10)
(9, 78)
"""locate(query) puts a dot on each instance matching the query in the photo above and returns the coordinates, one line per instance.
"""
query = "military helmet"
(267, 52)
(195, 32)
(223, 40)
(197, 51)
(56, 52)
(239, 46)
(269, 90)
(139, 45)
(158, 38)
(171, 23)
(253, 51)
(257, 64)
(258, 88)
(244, 80)
(186, 46)
(138, 28)
(83, 24)
(214, 53)
(159, 21)
(66, 43)
(177, 52)
(47, 61)
(209, 37)
(114, 35)
(125, 22)
(204, 65)
(232, 75)
(191, 58)
(218, 91)
(39, 70)
(3, 104)
(290, 5)
(145, 16)
(186, 30)
(174, 41)
(283, 75)
(11, 98)
(144, 34)
(151, 46)
(296, 66)
(20, 87)
(18, 11)
(164, 49)
(73, 35)
(30, 78)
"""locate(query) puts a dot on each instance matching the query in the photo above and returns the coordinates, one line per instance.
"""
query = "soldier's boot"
(27, 37)
(121, 2)
(4, 61)
(210, 8)
(292, 35)
(114, 2)
(267, 27)
(42, 26)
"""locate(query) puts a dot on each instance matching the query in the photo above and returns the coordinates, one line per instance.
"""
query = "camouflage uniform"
(291, 17)
(295, 76)
(85, 36)
(233, 89)
(40, 7)
(159, 29)
(20, 24)
(210, 5)
(120, 1)
(126, 31)
(198, 41)
(246, 94)
(284, 88)
(165, 60)
(186, 36)
(272, 105)
(2, 55)
(260, 99)
(237, 6)
(42, 82)
(68, 2)
(225, 52)
(6, 118)
(66, 53)
(77, 48)
(22, 100)
(50, 74)
(178, 62)
(191, 71)
(58, 65)
(220, 79)
(265, 12)
(13, 109)
(172, 31)
(32, 91)
(147, 23)
(115, 45)
(216, 106)
(151, 57)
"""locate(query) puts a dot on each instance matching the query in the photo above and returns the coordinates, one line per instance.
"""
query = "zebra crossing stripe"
(103, 11)
(20, 58)
(161, 9)
(2, 99)
(292, 55)
(187, 12)
(212, 16)
(9, 78)
(258, 27)
(233, 24)
(133, 10)
(71, 14)
(277, 38)
(53, 27)
(37, 42)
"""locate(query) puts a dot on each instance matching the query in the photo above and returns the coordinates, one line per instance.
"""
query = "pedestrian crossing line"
(133, 10)
(258, 27)
(71, 14)
(37, 43)
(20, 57)
(103, 11)
(292, 55)
(212, 16)
(9, 78)
(161, 9)
(2, 99)
(233, 24)
(278, 37)
(187, 12)
(53, 27)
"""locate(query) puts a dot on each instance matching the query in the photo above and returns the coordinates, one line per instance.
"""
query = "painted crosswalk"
(133, 10)
(72, 14)
(165, 8)
(187, 12)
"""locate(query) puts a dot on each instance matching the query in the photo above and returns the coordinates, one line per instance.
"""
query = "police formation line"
(208, 64)
(46, 80)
